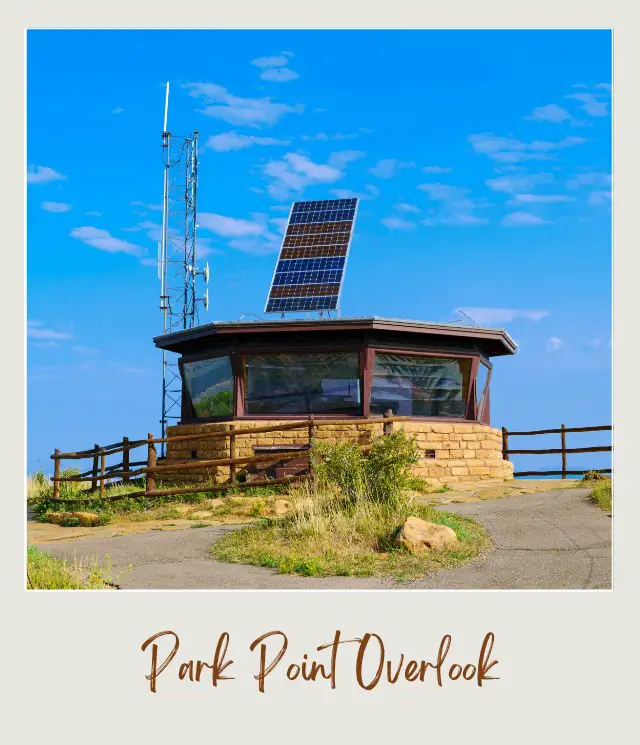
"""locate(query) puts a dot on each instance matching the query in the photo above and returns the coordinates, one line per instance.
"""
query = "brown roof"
(498, 339)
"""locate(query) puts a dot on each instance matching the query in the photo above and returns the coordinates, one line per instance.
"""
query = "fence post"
(151, 463)
(387, 427)
(94, 480)
(563, 439)
(56, 474)
(505, 444)
(311, 437)
(232, 454)
(103, 470)
(125, 458)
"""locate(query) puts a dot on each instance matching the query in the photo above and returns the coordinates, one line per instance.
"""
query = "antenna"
(468, 317)
(177, 256)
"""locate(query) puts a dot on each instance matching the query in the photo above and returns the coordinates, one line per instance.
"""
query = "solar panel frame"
(331, 231)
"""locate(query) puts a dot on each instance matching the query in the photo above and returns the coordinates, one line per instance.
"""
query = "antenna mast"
(177, 269)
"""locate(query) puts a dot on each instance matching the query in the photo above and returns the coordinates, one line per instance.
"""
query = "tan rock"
(419, 535)
(282, 506)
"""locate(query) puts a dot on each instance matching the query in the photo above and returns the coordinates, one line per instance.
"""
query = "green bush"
(379, 476)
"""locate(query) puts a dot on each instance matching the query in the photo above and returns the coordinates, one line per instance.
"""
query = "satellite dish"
(205, 299)
(205, 274)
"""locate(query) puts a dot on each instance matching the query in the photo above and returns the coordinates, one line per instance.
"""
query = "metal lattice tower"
(177, 256)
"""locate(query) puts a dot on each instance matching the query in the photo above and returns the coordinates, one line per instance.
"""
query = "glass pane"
(481, 388)
(210, 386)
(419, 386)
(303, 384)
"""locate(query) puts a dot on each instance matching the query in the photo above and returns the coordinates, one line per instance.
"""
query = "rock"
(282, 506)
(419, 535)
(86, 519)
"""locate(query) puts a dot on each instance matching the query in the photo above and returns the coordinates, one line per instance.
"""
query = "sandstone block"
(419, 535)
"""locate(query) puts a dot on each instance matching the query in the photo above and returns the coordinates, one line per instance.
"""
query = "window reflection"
(209, 385)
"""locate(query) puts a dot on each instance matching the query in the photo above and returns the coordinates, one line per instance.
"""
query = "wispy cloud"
(251, 112)
(540, 199)
(324, 137)
(295, 172)
(589, 179)
(371, 193)
(343, 158)
(397, 223)
(43, 175)
(117, 110)
(405, 207)
(250, 236)
(234, 141)
(389, 167)
(599, 197)
(511, 150)
(456, 206)
(522, 219)
(593, 104)
(104, 241)
(37, 330)
(93, 213)
(518, 183)
(229, 227)
(56, 207)
(274, 69)
(554, 344)
(435, 169)
(150, 207)
(503, 315)
(550, 113)
(90, 351)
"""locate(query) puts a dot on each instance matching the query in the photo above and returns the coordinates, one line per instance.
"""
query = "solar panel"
(313, 257)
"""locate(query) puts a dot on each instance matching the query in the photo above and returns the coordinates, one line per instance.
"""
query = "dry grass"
(44, 572)
(326, 534)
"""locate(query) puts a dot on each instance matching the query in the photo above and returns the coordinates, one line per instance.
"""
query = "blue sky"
(482, 159)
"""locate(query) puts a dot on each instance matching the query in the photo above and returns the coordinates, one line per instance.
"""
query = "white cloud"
(234, 141)
(150, 207)
(104, 241)
(591, 104)
(389, 167)
(279, 61)
(503, 315)
(324, 137)
(279, 74)
(519, 183)
(540, 199)
(251, 112)
(550, 113)
(43, 175)
(152, 229)
(229, 227)
(117, 110)
(511, 150)
(435, 169)
(295, 172)
(343, 158)
(456, 205)
(79, 349)
(518, 219)
(599, 197)
(397, 223)
(589, 179)
(554, 344)
(404, 207)
(37, 330)
(93, 213)
(56, 207)
(371, 193)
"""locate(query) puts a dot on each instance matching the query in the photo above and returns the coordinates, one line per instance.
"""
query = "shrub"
(595, 476)
(379, 476)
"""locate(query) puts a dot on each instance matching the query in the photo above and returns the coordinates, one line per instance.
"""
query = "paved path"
(556, 539)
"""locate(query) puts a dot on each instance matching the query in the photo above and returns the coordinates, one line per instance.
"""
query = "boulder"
(86, 519)
(282, 506)
(419, 535)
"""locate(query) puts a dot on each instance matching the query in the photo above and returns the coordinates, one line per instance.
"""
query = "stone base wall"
(451, 452)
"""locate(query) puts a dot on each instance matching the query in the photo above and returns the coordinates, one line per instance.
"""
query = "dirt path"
(554, 539)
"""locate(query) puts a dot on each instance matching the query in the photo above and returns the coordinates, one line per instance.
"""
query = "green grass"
(602, 494)
(44, 572)
(328, 535)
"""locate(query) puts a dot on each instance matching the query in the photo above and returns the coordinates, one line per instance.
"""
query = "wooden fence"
(563, 450)
(99, 473)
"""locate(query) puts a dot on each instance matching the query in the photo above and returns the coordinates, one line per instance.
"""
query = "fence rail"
(563, 450)
(100, 472)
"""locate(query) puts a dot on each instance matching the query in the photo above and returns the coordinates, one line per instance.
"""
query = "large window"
(302, 384)
(209, 385)
(410, 385)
